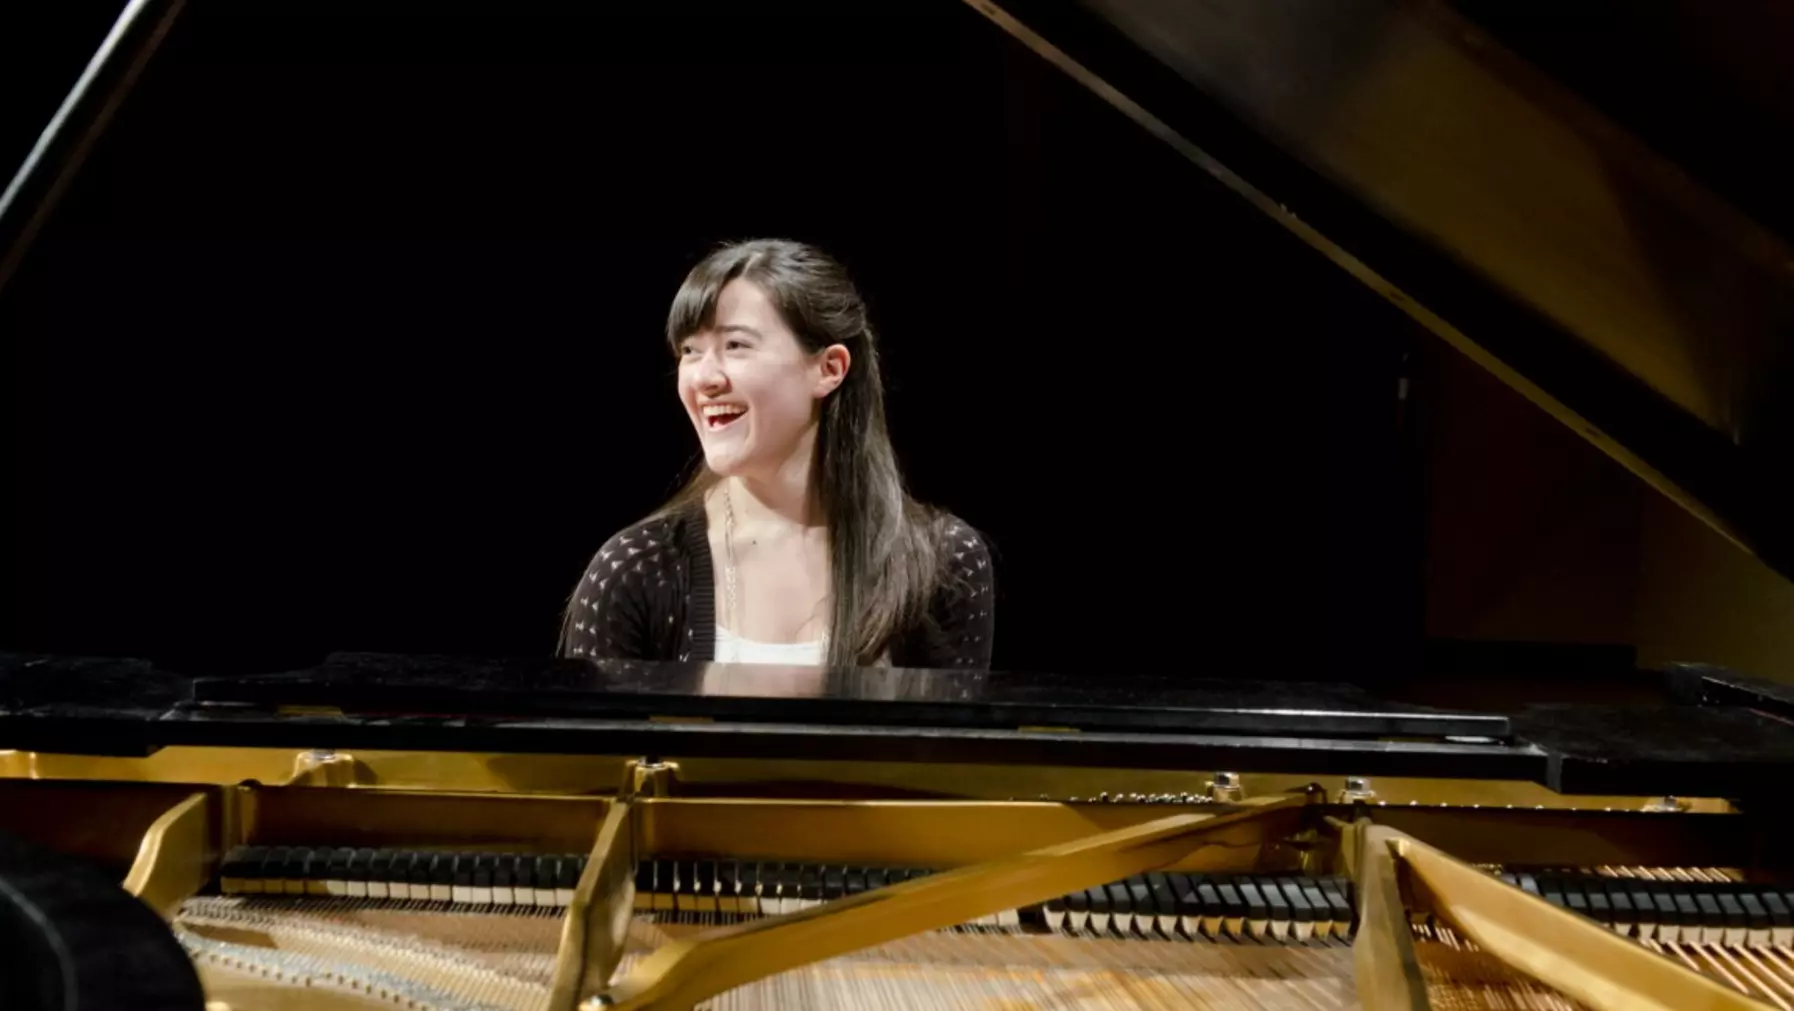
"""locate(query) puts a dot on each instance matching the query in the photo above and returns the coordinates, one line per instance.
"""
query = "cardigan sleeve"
(962, 619)
(616, 609)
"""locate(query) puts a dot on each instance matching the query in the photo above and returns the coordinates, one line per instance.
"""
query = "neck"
(781, 495)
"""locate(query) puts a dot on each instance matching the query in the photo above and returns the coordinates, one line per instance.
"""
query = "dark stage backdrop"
(350, 337)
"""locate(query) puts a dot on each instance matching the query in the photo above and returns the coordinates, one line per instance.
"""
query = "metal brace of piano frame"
(1393, 873)
(1570, 953)
(680, 975)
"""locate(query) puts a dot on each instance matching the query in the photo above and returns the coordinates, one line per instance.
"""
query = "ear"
(832, 363)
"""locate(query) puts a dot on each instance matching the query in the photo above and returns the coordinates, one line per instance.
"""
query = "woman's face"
(750, 388)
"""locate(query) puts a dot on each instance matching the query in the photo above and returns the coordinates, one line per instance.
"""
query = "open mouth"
(720, 416)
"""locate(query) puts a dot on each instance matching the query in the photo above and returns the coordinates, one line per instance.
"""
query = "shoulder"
(628, 602)
(656, 544)
(958, 629)
(653, 535)
(959, 541)
(965, 554)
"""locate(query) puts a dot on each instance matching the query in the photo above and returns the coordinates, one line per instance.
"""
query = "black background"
(349, 336)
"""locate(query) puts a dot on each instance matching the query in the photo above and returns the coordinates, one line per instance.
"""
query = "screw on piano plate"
(1666, 805)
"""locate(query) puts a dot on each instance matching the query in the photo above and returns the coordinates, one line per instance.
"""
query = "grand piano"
(527, 833)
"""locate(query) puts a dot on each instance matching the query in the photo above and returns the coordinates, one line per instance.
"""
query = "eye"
(735, 344)
(687, 349)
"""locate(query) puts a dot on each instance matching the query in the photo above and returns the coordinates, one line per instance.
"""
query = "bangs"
(694, 307)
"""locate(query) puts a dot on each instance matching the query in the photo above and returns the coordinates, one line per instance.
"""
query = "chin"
(725, 464)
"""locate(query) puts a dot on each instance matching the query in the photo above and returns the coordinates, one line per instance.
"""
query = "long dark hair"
(884, 547)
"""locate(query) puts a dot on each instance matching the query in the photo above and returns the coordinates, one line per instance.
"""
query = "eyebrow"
(739, 328)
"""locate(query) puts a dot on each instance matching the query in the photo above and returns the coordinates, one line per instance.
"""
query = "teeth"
(721, 410)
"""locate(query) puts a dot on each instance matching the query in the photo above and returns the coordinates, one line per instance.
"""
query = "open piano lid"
(1502, 210)
(1499, 208)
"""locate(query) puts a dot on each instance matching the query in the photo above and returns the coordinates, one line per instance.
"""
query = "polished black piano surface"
(1691, 729)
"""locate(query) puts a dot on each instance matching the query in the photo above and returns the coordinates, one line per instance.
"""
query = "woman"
(796, 542)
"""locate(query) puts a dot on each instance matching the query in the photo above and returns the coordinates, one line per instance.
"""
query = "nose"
(708, 376)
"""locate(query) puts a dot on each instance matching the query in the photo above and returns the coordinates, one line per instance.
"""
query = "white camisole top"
(731, 648)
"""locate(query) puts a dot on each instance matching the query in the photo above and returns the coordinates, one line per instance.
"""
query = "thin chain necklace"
(729, 558)
(729, 566)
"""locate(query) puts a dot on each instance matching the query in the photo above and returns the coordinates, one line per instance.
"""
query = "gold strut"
(679, 975)
(176, 856)
(596, 924)
(1383, 956)
(1571, 953)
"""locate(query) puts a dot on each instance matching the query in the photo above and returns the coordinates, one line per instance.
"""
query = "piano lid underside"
(1500, 209)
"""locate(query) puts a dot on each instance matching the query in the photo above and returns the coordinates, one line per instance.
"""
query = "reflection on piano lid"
(1701, 732)
(1172, 700)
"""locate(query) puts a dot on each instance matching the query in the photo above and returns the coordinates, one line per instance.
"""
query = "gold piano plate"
(1446, 926)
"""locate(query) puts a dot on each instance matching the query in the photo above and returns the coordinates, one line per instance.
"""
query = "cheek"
(782, 394)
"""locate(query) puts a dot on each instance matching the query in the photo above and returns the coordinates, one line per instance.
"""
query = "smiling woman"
(796, 542)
